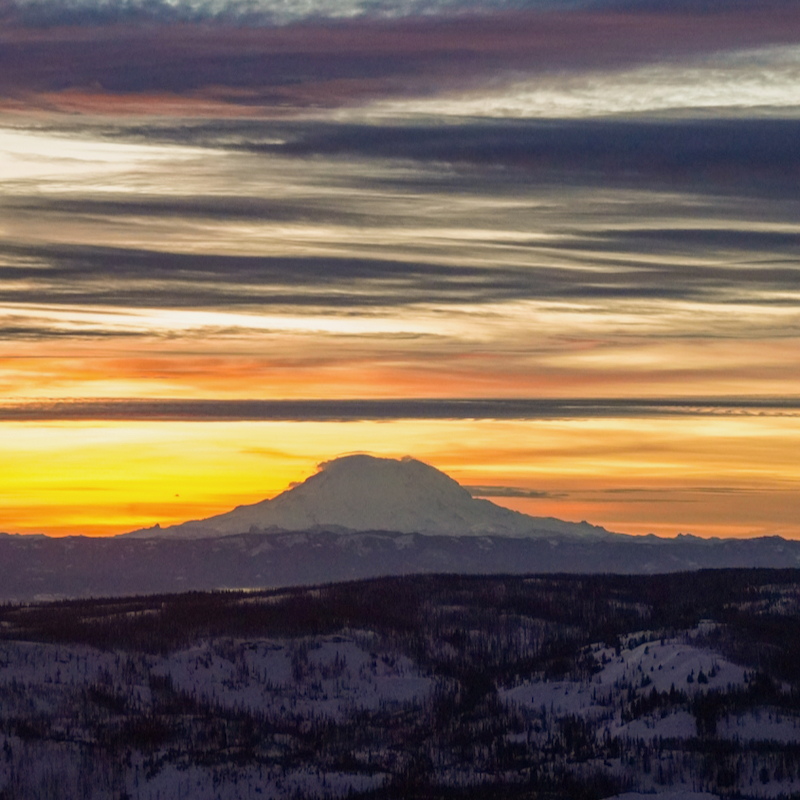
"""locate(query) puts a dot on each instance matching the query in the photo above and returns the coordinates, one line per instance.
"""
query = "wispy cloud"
(282, 12)
(145, 279)
(734, 83)
(713, 155)
(511, 491)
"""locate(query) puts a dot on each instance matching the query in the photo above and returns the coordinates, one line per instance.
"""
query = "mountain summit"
(364, 493)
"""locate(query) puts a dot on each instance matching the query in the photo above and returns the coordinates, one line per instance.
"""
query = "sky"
(550, 247)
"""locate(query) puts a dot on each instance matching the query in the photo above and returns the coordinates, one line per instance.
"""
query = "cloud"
(269, 13)
(278, 58)
(748, 157)
(709, 155)
(511, 491)
(636, 263)
(405, 276)
(739, 83)
(745, 157)
(258, 12)
(400, 409)
(216, 207)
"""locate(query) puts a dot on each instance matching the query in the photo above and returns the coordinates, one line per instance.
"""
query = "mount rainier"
(359, 493)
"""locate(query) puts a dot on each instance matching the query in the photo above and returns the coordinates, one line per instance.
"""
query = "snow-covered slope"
(365, 493)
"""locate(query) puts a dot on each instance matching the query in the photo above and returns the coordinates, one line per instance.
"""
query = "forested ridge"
(421, 686)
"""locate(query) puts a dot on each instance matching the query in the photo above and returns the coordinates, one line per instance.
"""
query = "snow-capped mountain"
(364, 493)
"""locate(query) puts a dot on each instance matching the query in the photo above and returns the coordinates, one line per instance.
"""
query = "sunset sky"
(551, 248)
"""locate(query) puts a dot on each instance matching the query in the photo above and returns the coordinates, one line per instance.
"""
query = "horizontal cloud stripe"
(355, 410)
(94, 276)
(681, 145)
(510, 491)
(678, 144)
(85, 52)
(750, 157)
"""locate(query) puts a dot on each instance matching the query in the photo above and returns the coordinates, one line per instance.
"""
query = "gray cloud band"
(358, 410)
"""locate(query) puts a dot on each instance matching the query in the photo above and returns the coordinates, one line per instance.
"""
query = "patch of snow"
(660, 666)
(761, 725)
(651, 665)
(328, 676)
(244, 783)
(675, 725)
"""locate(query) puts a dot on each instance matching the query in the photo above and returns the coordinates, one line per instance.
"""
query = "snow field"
(329, 679)
(244, 783)
(308, 679)
(321, 677)
(659, 665)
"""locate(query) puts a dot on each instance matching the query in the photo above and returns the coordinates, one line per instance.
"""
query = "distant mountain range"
(359, 517)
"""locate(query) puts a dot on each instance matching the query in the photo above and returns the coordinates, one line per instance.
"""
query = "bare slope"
(365, 493)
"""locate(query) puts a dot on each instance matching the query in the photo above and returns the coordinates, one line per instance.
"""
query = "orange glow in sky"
(712, 476)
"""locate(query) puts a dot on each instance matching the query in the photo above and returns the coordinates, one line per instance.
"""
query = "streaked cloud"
(491, 259)
(282, 12)
(78, 277)
(508, 491)
(399, 409)
(736, 83)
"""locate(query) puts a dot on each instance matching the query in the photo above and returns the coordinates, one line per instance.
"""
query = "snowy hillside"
(313, 681)
(470, 688)
(365, 493)
(671, 665)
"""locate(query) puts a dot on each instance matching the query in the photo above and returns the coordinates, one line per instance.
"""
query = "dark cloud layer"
(94, 49)
(356, 410)
(710, 155)
(215, 207)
